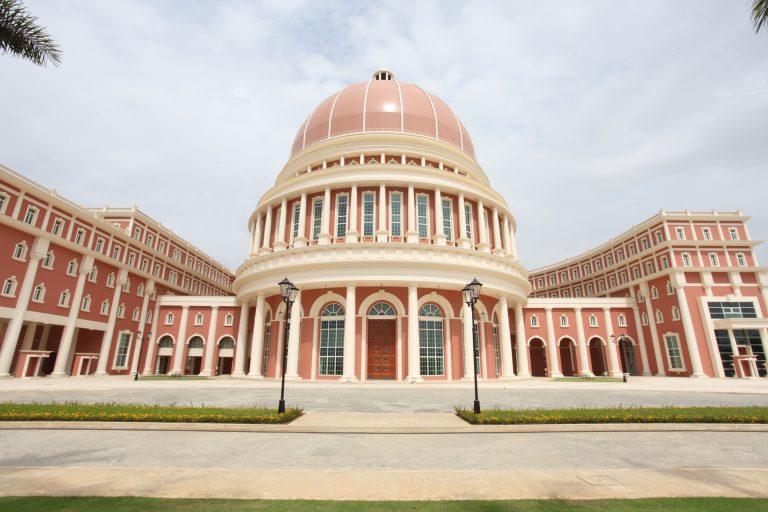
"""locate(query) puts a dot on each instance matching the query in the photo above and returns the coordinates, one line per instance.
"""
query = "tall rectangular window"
(396, 213)
(468, 215)
(686, 259)
(733, 233)
(341, 215)
(448, 219)
(58, 225)
(422, 215)
(317, 218)
(31, 215)
(680, 233)
(673, 352)
(707, 233)
(741, 260)
(121, 355)
(369, 212)
(296, 216)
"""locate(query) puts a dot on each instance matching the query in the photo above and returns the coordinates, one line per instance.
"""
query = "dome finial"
(383, 74)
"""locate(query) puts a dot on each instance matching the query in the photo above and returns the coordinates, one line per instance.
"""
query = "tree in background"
(760, 13)
(21, 36)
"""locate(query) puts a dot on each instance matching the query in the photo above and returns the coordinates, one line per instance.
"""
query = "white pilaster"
(412, 236)
(181, 341)
(242, 341)
(581, 343)
(468, 331)
(507, 368)
(301, 239)
(482, 227)
(505, 233)
(382, 234)
(280, 243)
(210, 345)
(257, 235)
(497, 248)
(512, 242)
(690, 336)
(292, 366)
(325, 223)
(352, 232)
(151, 344)
(257, 345)
(106, 339)
(553, 363)
(523, 368)
(267, 230)
(640, 336)
(414, 359)
(29, 336)
(464, 242)
(11, 337)
(440, 237)
(61, 368)
(613, 357)
(652, 327)
(350, 304)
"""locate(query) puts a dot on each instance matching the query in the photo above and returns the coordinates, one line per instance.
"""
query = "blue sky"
(588, 117)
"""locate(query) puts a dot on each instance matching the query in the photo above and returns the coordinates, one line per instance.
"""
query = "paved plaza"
(385, 441)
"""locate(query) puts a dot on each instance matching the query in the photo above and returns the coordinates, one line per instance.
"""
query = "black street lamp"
(288, 292)
(140, 336)
(471, 294)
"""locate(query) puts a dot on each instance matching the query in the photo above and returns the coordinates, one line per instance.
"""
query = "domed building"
(380, 217)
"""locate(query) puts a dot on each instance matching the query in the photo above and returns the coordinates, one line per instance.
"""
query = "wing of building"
(380, 217)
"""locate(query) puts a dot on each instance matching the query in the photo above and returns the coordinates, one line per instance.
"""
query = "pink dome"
(383, 104)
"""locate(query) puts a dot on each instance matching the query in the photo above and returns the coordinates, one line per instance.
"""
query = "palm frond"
(20, 35)
(760, 13)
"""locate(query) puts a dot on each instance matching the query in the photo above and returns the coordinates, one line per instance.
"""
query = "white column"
(463, 240)
(553, 363)
(439, 233)
(29, 336)
(482, 227)
(652, 326)
(257, 235)
(497, 248)
(523, 368)
(142, 336)
(45, 334)
(325, 223)
(412, 236)
(414, 360)
(349, 335)
(352, 232)
(512, 242)
(469, 350)
(280, 243)
(11, 338)
(581, 343)
(690, 337)
(257, 345)
(210, 344)
(382, 234)
(106, 339)
(242, 341)
(613, 357)
(507, 368)
(505, 233)
(180, 341)
(148, 363)
(267, 229)
(292, 365)
(60, 369)
(301, 238)
(641, 342)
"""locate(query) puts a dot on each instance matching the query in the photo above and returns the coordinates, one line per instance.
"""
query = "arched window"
(659, 316)
(654, 292)
(105, 307)
(48, 260)
(644, 319)
(165, 342)
(431, 340)
(267, 335)
(72, 267)
(86, 304)
(196, 342)
(9, 287)
(121, 311)
(332, 340)
(226, 343)
(675, 313)
(38, 295)
(534, 321)
(140, 290)
(199, 319)
(670, 290)
(127, 286)
(381, 309)
(111, 280)
(228, 319)
(496, 356)
(94, 273)
(592, 321)
(64, 298)
(622, 321)
(169, 319)
(20, 251)
(563, 321)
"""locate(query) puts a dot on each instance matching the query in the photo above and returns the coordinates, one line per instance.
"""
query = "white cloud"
(587, 117)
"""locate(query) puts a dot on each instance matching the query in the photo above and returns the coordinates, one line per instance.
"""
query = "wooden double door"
(382, 349)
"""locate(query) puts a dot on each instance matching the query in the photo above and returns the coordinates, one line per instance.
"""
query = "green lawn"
(73, 411)
(94, 504)
(754, 414)
(168, 377)
(589, 379)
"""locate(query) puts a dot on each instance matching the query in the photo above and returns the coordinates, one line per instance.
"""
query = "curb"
(468, 429)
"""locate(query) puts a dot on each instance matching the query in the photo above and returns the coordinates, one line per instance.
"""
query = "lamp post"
(471, 294)
(140, 336)
(288, 292)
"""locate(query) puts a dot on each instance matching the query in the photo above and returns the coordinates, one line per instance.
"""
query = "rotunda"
(380, 217)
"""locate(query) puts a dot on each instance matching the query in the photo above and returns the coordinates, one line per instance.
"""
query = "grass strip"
(126, 504)
(751, 414)
(588, 379)
(74, 411)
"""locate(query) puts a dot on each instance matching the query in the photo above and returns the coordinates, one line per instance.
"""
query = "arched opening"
(194, 356)
(332, 340)
(538, 355)
(567, 349)
(382, 341)
(597, 357)
(164, 353)
(225, 356)
(627, 352)
(431, 341)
